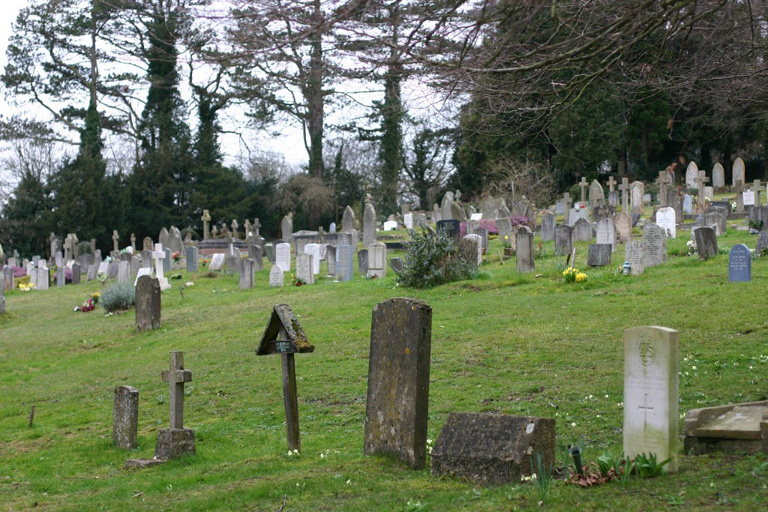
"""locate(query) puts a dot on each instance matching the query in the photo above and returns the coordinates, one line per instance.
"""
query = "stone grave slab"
(734, 428)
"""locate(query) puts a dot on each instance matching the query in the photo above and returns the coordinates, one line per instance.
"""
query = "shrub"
(433, 259)
(118, 297)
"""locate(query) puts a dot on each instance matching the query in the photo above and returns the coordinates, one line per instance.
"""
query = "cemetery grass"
(504, 342)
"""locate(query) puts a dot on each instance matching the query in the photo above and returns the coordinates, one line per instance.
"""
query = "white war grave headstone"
(665, 219)
(283, 256)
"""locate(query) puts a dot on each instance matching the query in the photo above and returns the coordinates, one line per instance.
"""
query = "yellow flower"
(581, 277)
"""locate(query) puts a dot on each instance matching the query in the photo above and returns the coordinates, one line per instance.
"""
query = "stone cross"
(611, 183)
(756, 187)
(701, 179)
(247, 230)
(52, 240)
(133, 242)
(115, 238)
(68, 248)
(624, 187)
(739, 198)
(645, 408)
(159, 255)
(206, 218)
(176, 376)
(567, 202)
(662, 181)
(256, 226)
(235, 225)
(584, 185)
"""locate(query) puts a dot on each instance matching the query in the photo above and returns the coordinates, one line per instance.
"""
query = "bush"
(433, 259)
(118, 297)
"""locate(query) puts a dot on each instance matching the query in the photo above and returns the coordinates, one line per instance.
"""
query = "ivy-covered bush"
(433, 259)
(118, 297)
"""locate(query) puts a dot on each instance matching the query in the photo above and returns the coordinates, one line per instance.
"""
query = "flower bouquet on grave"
(205, 263)
(87, 306)
(95, 296)
(370, 276)
(68, 274)
(572, 275)
(25, 287)
(507, 244)
(176, 257)
(297, 281)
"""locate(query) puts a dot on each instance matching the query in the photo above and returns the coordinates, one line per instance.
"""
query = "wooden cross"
(133, 241)
(206, 218)
(115, 238)
(701, 179)
(176, 376)
(611, 183)
(756, 187)
(584, 185)
(624, 187)
(645, 408)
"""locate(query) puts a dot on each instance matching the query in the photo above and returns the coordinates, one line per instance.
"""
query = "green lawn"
(503, 342)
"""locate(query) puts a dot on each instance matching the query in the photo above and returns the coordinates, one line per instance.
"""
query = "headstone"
(176, 441)
(164, 238)
(159, 254)
(125, 417)
(362, 262)
(606, 233)
(390, 225)
(123, 272)
(458, 213)
(314, 251)
(651, 393)
(488, 208)
(44, 277)
(167, 260)
(286, 229)
(348, 220)
(547, 227)
(60, 277)
(504, 227)
(624, 187)
(596, 194)
(192, 258)
(408, 220)
(582, 231)
(603, 212)
(655, 245)
(599, 255)
(217, 262)
(148, 303)
(762, 244)
(396, 264)
(706, 243)
(563, 240)
(666, 220)
(276, 277)
(524, 250)
(748, 197)
(304, 270)
(148, 245)
(2, 295)
(709, 193)
(635, 255)
(283, 256)
(734, 428)
(739, 264)
(675, 201)
(623, 227)
(377, 259)
(445, 207)
(718, 176)
(369, 225)
(247, 276)
(739, 189)
(345, 262)
(637, 191)
(332, 228)
(330, 258)
(471, 249)
(579, 211)
(583, 185)
(397, 407)
(738, 172)
(451, 228)
(687, 204)
(691, 175)
(8, 277)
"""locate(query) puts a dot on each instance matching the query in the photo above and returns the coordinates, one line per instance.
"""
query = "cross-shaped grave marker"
(256, 226)
(584, 185)
(624, 187)
(662, 181)
(206, 218)
(247, 230)
(159, 255)
(611, 183)
(645, 408)
(701, 180)
(235, 225)
(115, 238)
(285, 336)
(176, 441)
(756, 186)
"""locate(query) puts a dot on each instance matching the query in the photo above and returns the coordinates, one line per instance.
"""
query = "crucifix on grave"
(68, 248)
(256, 226)
(756, 187)
(159, 255)
(611, 183)
(624, 187)
(701, 180)
(206, 218)
(645, 408)
(584, 185)
(176, 441)
(285, 336)
(235, 225)
(115, 238)
(739, 198)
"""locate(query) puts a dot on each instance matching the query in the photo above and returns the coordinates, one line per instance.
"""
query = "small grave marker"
(176, 441)
(125, 417)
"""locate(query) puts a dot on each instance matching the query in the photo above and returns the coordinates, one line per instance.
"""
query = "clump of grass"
(118, 297)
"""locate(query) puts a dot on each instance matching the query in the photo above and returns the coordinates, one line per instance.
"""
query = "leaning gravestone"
(706, 242)
(563, 240)
(494, 449)
(655, 245)
(362, 262)
(739, 264)
(176, 441)
(125, 417)
(276, 277)
(666, 220)
(599, 255)
(192, 256)
(635, 255)
(148, 305)
(397, 407)
(582, 231)
(345, 261)
(651, 393)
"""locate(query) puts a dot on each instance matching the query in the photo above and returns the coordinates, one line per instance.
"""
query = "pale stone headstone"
(748, 197)
(675, 201)
(606, 233)
(504, 227)
(458, 213)
(148, 245)
(637, 191)
(330, 258)
(709, 192)
(390, 225)
(579, 211)
(164, 238)
(738, 172)
(547, 227)
(283, 256)
(345, 261)
(524, 250)
(718, 176)
(304, 271)
(125, 417)
(688, 204)
(623, 227)
(123, 272)
(739, 264)
(348, 220)
(369, 225)
(563, 240)
(651, 393)
(596, 194)
(247, 276)
(217, 261)
(60, 277)
(666, 220)
(377, 259)
(286, 228)
(148, 303)
(599, 255)
(192, 258)
(176, 441)
(314, 251)
(471, 249)
(44, 277)
(276, 277)
(706, 242)
(332, 228)
(655, 240)
(167, 260)
(408, 220)
(691, 175)
(397, 408)
(582, 231)
(445, 207)
(635, 256)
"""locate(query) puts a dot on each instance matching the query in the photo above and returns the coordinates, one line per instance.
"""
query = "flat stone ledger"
(173, 443)
(148, 304)
(492, 449)
(125, 417)
(651, 393)
(734, 428)
(397, 407)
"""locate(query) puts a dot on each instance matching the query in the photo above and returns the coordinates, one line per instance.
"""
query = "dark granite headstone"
(125, 417)
(493, 449)
(398, 380)
(148, 304)
(599, 255)
(76, 273)
(726, 205)
(739, 264)
(362, 262)
(396, 264)
(706, 242)
(451, 228)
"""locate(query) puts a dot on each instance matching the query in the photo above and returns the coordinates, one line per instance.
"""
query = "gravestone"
(255, 253)
(123, 272)
(286, 228)
(146, 259)
(691, 175)
(483, 233)
(762, 244)
(563, 240)
(651, 393)
(332, 228)
(330, 258)
(348, 221)
(362, 262)
(44, 276)
(739, 264)
(606, 233)
(471, 249)
(2, 296)
(159, 255)
(176, 441)
(603, 212)
(504, 226)
(599, 255)
(623, 227)
(738, 172)
(458, 213)
(596, 194)
(276, 277)
(637, 191)
(314, 251)
(718, 176)
(148, 245)
(734, 428)
(547, 227)
(304, 268)
(167, 260)
(687, 204)
(397, 406)
(247, 274)
(495, 449)
(635, 255)
(706, 243)
(192, 256)
(377, 259)
(666, 220)
(449, 228)
(396, 264)
(582, 231)
(125, 417)
(135, 264)
(60, 277)
(148, 303)
(675, 202)
(217, 261)
(524, 250)
(283, 256)
(726, 206)
(408, 220)
(369, 225)
(445, 207)
(8, 277)
(345, 262)
(655, 245)
(579, 211)
(164, 238)
(748, 197)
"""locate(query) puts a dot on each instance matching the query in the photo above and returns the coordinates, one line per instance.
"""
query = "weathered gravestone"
(176, 441)
(655, 245)
(739, 264)
(547, 227)
(44, 276)
(349, 220)
(606, 233)
(718, 176)
(217, 261)
(285, 336)
(599, 255)
(504, 226)
(582, 231)
(635, 255)
(596, 194)
(666, 219)
(396, 264)
(493, 449)
(623, 227)
(60, 277)
(397, 408)
(8, 277)
(578, 212)
(304, 268)
(283, 256)
(637, 191)
(276, 277)
(125, 417)
(691, 174)
(445, 207)
(762, 242)
(737, 172)
(314, 251)
(255, 253)
(362, 262)
(651, 393)
(247, 274)
(286, 228)
(344, 262)
(687, 204)
(123, 272)
(734, 428)
(148, 303)
(563, 240)
(377, 259)
(192, 256)
(524, 250)
(2, 296)
(330, 258)
(603, 212)
(449, 228)
(471, 249)
(706, 242)
(369, 225)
